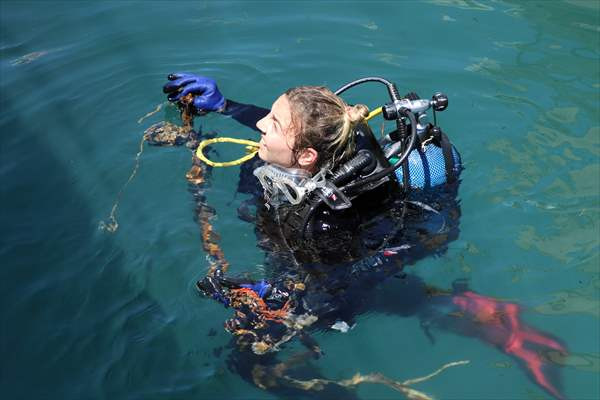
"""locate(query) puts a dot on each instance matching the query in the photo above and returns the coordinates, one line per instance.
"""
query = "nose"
(261, 125)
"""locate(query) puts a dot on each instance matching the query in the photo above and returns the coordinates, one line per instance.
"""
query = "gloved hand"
(261, 288)
(210, 287)
(206, 93)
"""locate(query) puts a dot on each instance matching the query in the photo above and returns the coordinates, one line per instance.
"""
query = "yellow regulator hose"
(251, 147)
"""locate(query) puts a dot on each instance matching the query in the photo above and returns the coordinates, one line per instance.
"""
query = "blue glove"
(261, 288)
(207, 95)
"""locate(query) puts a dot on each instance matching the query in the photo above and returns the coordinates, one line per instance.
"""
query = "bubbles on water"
(28, 58)
(391, 59)
(463, 4)
(503, 364)
(588, 27)
(371, 26)
(483, 64)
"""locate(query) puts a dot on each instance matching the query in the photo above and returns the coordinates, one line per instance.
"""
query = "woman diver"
(337, 217)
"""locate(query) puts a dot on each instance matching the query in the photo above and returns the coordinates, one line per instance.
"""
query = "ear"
(308, 158)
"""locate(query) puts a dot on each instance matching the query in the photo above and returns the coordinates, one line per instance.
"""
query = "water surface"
(90, 314)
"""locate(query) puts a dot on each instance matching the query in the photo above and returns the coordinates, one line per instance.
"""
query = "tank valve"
(439, 101)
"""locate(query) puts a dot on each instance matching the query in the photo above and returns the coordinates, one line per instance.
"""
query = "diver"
(338, 212)
(323, 163)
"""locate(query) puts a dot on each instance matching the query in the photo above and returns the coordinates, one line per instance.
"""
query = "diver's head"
(309, 127)
(278, 136)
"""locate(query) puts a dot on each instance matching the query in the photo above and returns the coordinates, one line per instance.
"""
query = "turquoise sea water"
(92, 314)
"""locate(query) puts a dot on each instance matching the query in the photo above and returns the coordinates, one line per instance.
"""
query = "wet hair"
(324, 122)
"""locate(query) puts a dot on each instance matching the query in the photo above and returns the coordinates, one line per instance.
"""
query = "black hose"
(393, 91)
(390, 169)
(357, 164)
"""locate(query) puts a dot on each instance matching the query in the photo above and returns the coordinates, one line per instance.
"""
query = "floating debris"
(266, 378)
(164, 134)
(151, 113)
(342, 326)
(112, 225)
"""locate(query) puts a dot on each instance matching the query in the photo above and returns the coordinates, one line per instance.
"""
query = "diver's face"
(277, 139)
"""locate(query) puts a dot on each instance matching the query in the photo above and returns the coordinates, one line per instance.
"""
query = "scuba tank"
(434, 160)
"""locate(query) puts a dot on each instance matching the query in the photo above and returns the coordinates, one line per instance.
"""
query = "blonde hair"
(324, 122)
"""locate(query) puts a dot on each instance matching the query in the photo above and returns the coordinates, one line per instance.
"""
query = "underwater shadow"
(73, 325)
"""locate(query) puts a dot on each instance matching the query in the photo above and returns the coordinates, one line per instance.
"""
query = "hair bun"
(357, 113)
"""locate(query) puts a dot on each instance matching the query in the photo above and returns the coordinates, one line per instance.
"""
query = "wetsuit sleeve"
(245, 114)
